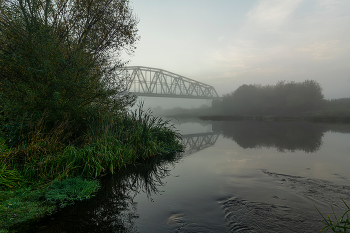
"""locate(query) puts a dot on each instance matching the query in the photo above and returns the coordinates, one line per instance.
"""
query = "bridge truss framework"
(153, 82)
(198, 142)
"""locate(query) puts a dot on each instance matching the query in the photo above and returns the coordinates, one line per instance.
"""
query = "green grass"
(110, 144)
(10, 178)
(31, 203)
(22, 205)
(340, 224)
(58, 169)
(68, 191)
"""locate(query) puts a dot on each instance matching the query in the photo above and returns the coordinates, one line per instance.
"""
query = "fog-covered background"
(228, 43)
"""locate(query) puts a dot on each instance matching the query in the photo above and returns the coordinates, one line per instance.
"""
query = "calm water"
(245, 176)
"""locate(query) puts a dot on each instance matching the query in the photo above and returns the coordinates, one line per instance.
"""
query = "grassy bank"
(32, 202)
(45, 173)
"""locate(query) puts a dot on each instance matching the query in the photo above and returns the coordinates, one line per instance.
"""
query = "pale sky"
(228, 43)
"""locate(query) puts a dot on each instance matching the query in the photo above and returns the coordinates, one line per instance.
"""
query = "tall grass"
(341, 224)
(49, 160)
(9, 178)
(110, 143)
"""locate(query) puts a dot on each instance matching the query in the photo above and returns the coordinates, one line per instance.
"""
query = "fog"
(169, 103)
(230, 43)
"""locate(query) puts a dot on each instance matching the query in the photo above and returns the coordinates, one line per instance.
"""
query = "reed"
(9, 178)
(340, 223)
(110, 143)
(48, 160)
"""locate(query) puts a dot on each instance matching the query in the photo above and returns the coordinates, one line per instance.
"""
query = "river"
(241, 176)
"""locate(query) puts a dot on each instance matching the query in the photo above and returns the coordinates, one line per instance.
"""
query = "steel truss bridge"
(153, 82)
(199, 141)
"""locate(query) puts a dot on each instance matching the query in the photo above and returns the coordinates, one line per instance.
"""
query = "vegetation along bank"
(65, 116)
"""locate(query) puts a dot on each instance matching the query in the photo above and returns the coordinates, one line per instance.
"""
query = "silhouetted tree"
(282, 98)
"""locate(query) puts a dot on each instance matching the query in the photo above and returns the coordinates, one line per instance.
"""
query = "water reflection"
(193, 197)
(199, 141)
(113, 209)
(283, 136)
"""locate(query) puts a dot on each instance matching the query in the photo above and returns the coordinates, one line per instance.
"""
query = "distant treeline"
(284, 98)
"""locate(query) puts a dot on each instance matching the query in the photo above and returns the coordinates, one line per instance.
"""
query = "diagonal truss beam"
(198, 142)
(147, 81)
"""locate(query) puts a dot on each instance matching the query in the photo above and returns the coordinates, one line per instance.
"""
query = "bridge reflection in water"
(114, 210)
(199, 141)
(283, 136)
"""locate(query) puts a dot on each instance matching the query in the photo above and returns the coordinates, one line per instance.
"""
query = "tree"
(63, 56)
(282, 98)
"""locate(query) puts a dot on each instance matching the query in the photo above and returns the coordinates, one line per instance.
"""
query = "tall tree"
(62, 56)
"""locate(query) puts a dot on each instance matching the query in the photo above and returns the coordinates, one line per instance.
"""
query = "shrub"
(57, 58)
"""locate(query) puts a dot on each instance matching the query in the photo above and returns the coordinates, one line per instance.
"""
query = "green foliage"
(280, 99)
(22, 205)
(109, 144)
(147, 132)
(9, 178)
(340, 224)
(68, 191)
(61, 63)
(31, 203)
(3, 147)
(63, 103)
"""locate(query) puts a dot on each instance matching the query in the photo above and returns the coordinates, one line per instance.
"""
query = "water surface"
(244, 176)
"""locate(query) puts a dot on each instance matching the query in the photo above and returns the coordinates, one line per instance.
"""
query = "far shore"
(312, 118)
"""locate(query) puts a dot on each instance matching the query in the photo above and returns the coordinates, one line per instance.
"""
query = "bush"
(52, 61)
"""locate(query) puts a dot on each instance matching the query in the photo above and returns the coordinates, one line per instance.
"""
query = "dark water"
(246, 176)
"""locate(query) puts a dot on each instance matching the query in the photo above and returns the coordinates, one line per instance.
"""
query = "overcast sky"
(228, 43)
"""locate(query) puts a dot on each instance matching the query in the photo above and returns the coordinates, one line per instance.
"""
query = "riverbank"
(312, 118)
(237, 177)
(39, 177)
